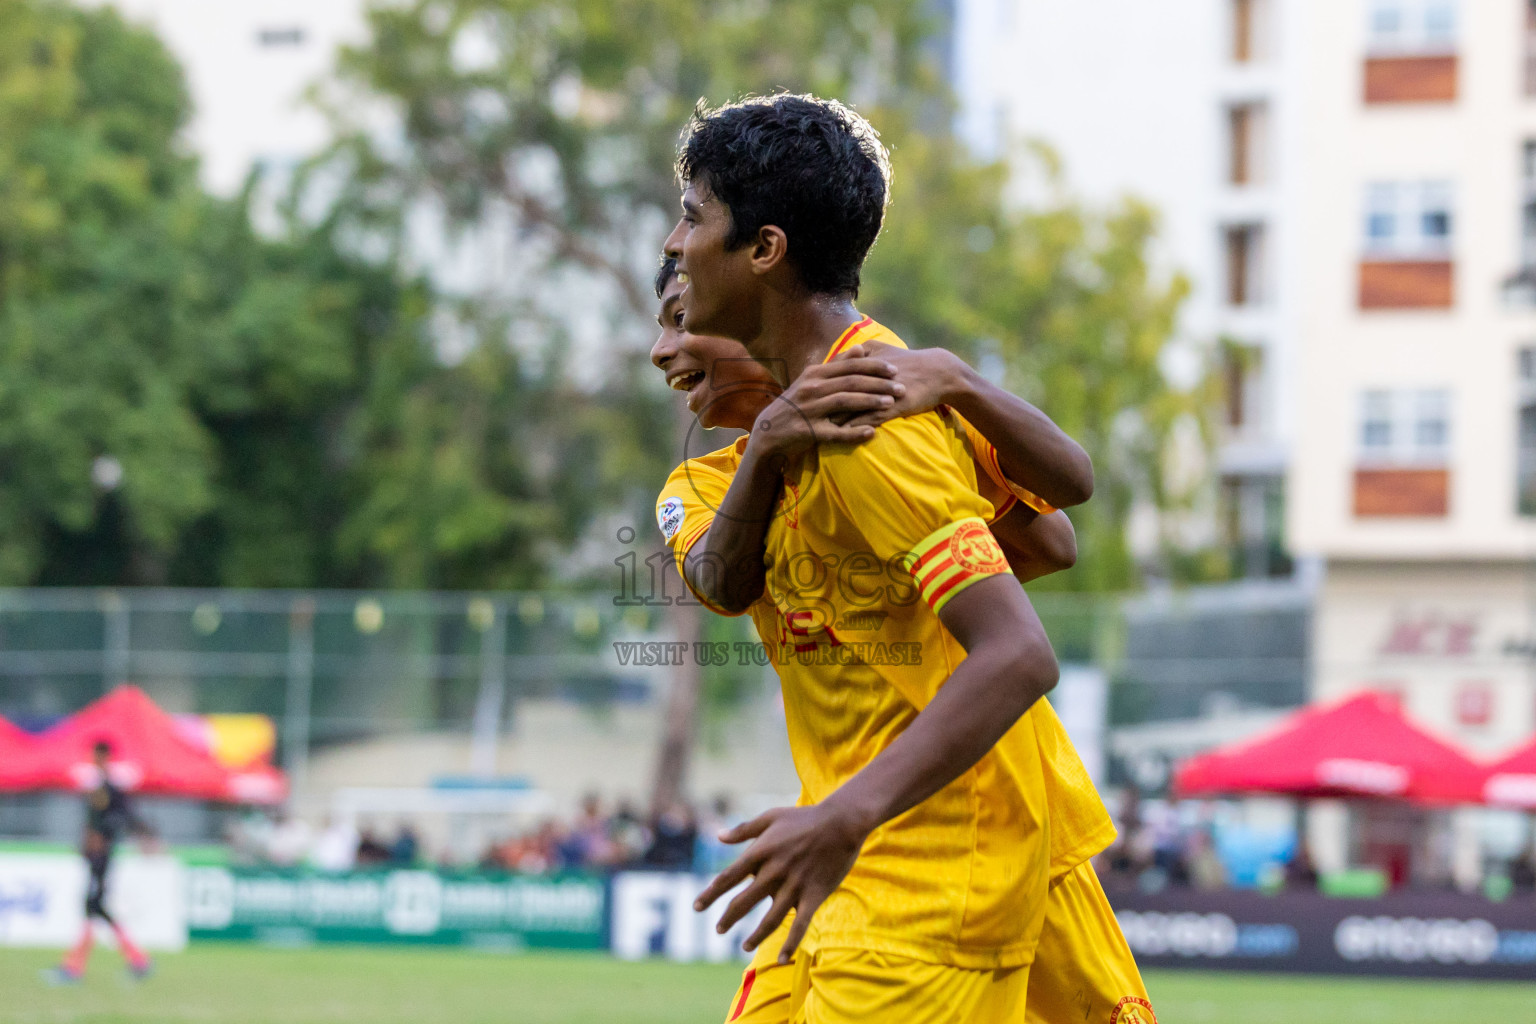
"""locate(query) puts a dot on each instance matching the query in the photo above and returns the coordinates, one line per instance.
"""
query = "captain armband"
(952, 558)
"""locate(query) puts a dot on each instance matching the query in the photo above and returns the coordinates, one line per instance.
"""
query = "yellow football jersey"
(860, 652)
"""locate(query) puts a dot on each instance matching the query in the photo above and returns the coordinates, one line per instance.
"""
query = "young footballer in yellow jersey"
(1083, 967)
(918, 864)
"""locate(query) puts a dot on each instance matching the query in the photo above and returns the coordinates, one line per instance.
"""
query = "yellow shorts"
(1083, 973)
(855, 986)
(1083, 969)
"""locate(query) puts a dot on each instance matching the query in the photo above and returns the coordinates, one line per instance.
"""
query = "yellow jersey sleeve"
(915, 504)
(985, 453)
(686, 507)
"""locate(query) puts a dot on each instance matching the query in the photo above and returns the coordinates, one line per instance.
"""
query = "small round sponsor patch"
(975, 549)
(669, 516)
(1133, 1010)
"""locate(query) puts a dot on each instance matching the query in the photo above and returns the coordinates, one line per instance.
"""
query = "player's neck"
(798, 334)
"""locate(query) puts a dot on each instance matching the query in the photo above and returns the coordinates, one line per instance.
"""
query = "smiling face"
(722, 288)
(725, 386)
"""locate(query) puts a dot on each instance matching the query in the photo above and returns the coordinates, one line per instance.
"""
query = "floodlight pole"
(301, 685)
(486, 727)
(118, 643)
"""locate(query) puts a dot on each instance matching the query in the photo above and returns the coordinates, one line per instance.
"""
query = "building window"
(1431, 425)
(1406, 220)
(1245, 255)
(1246, 132)
(1242, 31)
(1525, 483)
(1404, 454)
(1530, 48)
(1386, 23)
(1405, 427)
(1519, 288)
(1528, 206)
(1242, 380)
(272, 38)
(1412, 27)
(1253, 509)
(1376, 425)
(1411, 52)
(1406, 262)
(1249, 19)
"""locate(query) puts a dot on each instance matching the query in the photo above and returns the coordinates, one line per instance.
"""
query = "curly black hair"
(809, 166)
(665, 273)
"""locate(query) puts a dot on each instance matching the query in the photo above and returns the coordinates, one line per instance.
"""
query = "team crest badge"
(974, 548)
(1133, 1010)
(669, 516)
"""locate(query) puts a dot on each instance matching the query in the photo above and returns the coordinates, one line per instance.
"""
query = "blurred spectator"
(589, 845)
(1203, 867)
(1301, 873)
(710, 854)
(247, 838)
(1160, 831)
(335, 849)
(404, 850)
(1130, 854)
(673, 835)
(288, 842)
(371, 851)
(1522, 871)
(628, 835)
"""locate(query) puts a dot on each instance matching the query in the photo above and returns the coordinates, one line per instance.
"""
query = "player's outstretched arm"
(1033, 451)
(801, 854)
(725, 566)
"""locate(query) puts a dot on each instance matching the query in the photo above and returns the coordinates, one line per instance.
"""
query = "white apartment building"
(1413, 473)
(1352, 186)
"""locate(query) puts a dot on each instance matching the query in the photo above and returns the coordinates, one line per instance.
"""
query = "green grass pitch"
(357, 985)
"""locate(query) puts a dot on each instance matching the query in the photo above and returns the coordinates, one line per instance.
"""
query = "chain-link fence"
(400, 688)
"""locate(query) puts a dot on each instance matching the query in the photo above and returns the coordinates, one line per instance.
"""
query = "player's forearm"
(725, 567)
(1010, 665)
(1034, 452)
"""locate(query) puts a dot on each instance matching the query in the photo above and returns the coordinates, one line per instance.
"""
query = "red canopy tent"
(16, 757)
(149, 755)
(1361, 746)
(1511, 782)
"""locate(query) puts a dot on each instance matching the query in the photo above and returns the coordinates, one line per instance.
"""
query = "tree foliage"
(184, 399)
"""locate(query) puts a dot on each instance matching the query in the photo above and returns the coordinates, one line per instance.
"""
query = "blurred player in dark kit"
(108, 815)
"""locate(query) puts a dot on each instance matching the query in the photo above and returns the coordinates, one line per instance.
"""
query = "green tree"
(92, 203)
(186, 400)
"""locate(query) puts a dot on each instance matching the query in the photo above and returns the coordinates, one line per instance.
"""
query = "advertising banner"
(653, 915)
(404, 906)
(1421, 935)
(42, 899)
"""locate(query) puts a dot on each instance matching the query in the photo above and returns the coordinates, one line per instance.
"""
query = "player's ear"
(769, 248)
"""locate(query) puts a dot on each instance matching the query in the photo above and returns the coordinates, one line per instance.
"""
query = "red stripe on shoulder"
(844, 338)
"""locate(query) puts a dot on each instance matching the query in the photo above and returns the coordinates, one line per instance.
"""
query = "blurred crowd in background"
(600, 837)
(1159, 845)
